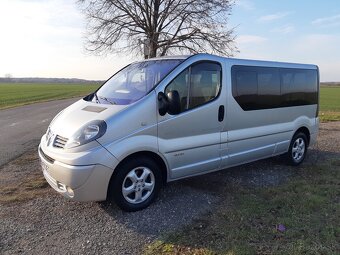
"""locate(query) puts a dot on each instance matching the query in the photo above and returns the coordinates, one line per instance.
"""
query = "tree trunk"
(152, 46)
(153, 50)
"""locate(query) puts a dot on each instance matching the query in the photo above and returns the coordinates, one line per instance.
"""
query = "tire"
(135, 184)
(297, 149)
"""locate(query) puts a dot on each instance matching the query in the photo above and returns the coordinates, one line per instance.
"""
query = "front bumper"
(79, 183)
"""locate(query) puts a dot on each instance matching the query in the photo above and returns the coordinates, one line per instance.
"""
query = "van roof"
(167, 57)
(238, 61)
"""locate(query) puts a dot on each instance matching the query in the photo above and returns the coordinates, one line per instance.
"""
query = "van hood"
(72, 118)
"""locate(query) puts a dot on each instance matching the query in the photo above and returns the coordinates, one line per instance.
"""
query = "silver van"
(168, 118)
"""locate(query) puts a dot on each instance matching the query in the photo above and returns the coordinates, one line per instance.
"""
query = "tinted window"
(299, 87)
(246, 83)
(200, 83)
(268, 88)
(256, 88)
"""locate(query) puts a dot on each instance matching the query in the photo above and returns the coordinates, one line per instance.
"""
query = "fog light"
(61, 186)
(70, 192)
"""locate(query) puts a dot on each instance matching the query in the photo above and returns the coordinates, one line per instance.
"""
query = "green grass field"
(20, 94)
(329, 103)
(16, 94)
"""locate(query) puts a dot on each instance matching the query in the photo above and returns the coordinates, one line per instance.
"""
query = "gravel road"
(22, 127)
(48, 223)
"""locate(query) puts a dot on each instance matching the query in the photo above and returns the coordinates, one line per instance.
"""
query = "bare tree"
(8, 77)
(163, 26)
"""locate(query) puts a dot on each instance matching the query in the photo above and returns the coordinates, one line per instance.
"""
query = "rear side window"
(256, 88)
(299, 87)
(246, 83)
(268, 95)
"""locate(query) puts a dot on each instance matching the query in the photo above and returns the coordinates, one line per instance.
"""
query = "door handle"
(221, 113)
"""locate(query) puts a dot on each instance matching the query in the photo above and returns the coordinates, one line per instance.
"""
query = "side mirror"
(170, 103)
(163, 104)
(174, 102)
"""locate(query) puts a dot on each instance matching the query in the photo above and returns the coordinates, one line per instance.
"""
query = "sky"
(45, 38)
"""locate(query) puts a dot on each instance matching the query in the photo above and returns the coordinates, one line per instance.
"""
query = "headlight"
(89, 132)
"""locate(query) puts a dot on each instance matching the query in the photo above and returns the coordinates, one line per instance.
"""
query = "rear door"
(190, 141)
(257, 129)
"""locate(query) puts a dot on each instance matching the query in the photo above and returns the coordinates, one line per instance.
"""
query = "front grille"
(60, 142)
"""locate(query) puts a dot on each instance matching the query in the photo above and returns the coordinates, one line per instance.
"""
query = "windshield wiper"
(95, 95)
(107, 100)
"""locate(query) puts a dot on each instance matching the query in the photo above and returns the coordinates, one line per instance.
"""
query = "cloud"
(275, 16)
(286, 29)
(39, 21)
(45, 38)
(245, 5)
(253, 39)
(320, 49)
(331, 21)
(319, 44)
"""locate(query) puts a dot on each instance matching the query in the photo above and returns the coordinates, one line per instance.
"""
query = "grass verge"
(17, 94)
(299, 217)
(329, 103)
(18, 183)
(23, 191)
(329, 116)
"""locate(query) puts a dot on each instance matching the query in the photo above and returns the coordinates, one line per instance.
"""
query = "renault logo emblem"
(49, 138)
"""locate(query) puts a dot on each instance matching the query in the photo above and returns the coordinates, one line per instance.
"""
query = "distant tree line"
(48, 80)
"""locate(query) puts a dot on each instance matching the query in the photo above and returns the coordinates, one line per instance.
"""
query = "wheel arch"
(150, 154)
(304, 130)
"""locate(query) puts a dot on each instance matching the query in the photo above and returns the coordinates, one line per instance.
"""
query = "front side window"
(181, 84)
(134, 82)
(197, 85)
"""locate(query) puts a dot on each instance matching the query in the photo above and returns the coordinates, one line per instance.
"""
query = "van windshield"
(134, 81)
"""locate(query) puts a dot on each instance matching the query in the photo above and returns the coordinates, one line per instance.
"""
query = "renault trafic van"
(168, 118)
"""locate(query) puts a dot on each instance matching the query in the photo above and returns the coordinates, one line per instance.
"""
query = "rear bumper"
(314, 133)
(79, 183)
(313, 138)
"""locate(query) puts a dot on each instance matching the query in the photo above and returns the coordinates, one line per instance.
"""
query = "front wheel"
(297, 149)
(135, 184)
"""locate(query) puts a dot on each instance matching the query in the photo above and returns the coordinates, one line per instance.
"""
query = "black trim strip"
(47, 158)
(252, 137)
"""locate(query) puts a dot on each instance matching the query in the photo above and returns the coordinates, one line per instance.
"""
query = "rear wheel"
(297, 149)
(135, 184)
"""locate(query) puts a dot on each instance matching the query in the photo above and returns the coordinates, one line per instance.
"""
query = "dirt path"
(34, 219)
